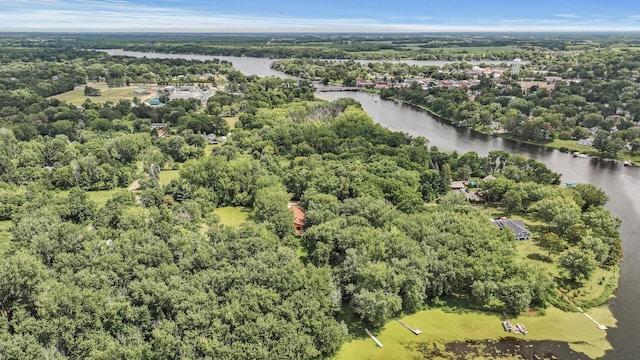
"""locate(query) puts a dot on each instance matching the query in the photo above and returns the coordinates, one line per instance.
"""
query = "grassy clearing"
(167, 175)
(232, 216)
(77, 97)
(572, 145)
(440, 327)
(100, 197)
(597, 289)
(232, 120)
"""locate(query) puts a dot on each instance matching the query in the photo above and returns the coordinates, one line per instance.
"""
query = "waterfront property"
(518, 227)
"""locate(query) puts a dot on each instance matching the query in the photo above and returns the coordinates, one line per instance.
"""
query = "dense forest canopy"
(154, 272)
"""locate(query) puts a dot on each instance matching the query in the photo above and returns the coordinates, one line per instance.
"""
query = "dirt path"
(134, 186)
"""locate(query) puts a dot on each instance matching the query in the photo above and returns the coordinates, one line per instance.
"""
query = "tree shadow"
(354, 324)
(540, 257)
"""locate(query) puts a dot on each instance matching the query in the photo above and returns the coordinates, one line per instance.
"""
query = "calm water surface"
(620, 183)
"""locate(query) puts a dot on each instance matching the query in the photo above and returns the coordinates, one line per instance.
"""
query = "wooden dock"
(413, 330)
(373, 337)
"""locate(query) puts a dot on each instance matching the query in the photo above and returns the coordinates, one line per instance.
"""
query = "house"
(488, 178)
(364, 83)
(457, 185)
(518, 227)
(586, 142)
(298, 218)
(156, 126)
(211, 139)
(162, 133)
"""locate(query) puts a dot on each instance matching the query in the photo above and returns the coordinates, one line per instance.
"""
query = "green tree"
(559, 213)
(592, 195)
(271, 206)
(377, 306)
(552, 243)
(579, 264)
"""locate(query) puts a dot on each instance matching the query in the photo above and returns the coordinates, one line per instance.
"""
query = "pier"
(413, 330)
(373, 337)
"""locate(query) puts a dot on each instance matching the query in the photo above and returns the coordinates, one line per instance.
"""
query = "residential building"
(518, 227)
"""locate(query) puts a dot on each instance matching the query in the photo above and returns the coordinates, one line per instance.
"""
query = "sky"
(318, 16)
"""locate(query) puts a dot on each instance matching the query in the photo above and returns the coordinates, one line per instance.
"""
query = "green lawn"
(100, 197)
(77, 97)
(572, 145)
(232, 216)
(440, 327)
(231, 121)
(167, 175)
(597, 289)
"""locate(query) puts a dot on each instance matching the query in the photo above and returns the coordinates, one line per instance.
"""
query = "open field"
(440, 327)
(232, 216)
(167, 175)
(77, 97)
(100, 197)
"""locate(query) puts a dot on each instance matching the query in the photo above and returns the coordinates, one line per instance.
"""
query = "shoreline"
(450, 332)
(592, 153)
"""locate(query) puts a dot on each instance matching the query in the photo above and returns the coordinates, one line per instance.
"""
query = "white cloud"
(567, 16)
(123, 15)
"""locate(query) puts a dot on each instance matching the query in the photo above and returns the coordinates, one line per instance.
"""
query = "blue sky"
(319, 15)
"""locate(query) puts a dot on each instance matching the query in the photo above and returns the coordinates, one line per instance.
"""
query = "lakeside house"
(586, 142)
(364, 83)
(518, 227)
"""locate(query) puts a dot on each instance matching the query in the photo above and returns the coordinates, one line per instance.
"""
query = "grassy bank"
(442, 326)
(569, 146)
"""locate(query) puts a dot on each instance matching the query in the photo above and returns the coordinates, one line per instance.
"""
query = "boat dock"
(373, 337)
(413, 330)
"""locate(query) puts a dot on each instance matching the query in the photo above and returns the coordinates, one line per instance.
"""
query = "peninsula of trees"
(102, 257)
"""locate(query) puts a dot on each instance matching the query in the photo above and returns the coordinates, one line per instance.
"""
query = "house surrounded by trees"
(518, 227)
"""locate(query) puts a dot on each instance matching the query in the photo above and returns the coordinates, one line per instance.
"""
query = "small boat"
(628, 163)
(507, 326)
(522, 328)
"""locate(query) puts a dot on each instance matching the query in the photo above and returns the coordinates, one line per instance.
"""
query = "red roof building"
(298, 218)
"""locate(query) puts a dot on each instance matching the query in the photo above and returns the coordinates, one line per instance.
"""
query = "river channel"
(622, 184)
